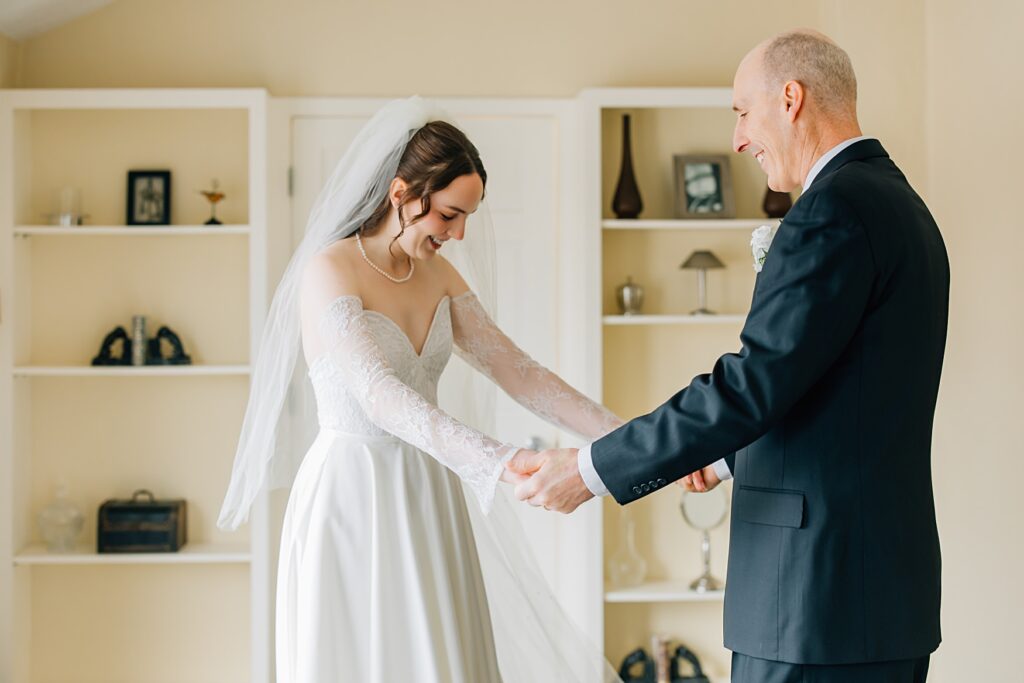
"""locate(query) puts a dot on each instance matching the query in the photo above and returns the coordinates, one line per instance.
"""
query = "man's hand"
(700, 481)
(554, 481)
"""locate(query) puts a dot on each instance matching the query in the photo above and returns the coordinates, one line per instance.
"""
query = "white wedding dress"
(379, 578)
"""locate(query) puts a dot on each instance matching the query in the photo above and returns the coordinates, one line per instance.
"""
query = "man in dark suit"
(825, 414)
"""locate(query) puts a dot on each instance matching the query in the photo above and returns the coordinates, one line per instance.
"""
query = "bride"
(386, 571)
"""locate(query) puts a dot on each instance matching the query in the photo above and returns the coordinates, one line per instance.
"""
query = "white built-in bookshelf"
(107, 430)
(640, 360)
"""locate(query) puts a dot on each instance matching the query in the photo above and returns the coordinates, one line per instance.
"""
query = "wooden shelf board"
(719, 319)
(198, 553)
(661, 591)
(131, 230)
(129, 371)
(748, 224)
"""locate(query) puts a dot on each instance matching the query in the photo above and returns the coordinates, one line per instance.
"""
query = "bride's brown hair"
(437, 154)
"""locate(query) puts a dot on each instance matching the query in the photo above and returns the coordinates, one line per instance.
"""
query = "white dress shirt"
(586, 462)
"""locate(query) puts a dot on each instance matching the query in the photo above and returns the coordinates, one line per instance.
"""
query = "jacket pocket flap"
(769, 506)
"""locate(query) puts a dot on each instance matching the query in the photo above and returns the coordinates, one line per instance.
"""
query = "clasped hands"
(551, 479)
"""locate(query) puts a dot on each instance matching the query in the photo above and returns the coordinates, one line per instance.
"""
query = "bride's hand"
(700, 481)
(510, 477)
(516, 471)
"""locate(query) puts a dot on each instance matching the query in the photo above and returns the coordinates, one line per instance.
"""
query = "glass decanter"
(626, 567)
(60, 522)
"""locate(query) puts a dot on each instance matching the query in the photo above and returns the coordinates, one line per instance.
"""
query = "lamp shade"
(702, 259)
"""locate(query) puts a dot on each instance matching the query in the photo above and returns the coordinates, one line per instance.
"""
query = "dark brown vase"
(776, 204)
(627, 203)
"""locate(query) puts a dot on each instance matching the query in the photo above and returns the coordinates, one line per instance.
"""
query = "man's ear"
(396, 191)
(793, 99)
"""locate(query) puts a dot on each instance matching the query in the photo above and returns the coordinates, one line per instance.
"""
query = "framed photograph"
(149, 198)
(703, 186)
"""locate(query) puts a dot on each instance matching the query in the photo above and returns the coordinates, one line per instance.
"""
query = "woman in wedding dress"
(382, 575)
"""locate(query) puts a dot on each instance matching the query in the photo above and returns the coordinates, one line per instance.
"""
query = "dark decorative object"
(149, 198)
(776, 204)
(154, 354)
(703, 186)
(639, 667)
(213, 196)
(627, 203)
(140, 526)
(637, 658)
(106, 355)
(682, 654)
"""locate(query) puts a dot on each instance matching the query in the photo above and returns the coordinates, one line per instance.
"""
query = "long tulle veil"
(535, 639)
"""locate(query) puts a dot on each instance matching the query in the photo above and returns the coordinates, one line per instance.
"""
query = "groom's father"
(825, 415)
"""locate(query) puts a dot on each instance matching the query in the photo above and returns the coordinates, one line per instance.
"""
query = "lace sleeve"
(396, 408)
(483, 345)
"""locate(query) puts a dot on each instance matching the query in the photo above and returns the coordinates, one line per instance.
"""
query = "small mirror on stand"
(704, 512)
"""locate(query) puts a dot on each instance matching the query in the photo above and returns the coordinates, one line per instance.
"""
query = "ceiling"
(21, 19)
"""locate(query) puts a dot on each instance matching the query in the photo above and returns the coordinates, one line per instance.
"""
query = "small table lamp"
(701, 261)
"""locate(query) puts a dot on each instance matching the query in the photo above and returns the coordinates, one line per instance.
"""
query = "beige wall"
(888, 57)
(974, 174)
(448, 47)
(9, 62)
(938, 85)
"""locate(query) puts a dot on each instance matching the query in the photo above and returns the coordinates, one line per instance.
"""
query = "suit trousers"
(752, 670)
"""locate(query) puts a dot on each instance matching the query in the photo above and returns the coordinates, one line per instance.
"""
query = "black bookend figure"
(106, 356)
(155, 355)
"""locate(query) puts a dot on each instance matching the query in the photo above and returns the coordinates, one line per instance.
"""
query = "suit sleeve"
(808, 303)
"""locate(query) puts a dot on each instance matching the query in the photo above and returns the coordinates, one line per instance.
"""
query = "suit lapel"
(865, 149)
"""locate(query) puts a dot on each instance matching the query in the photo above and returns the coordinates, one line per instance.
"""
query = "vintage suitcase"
(141, 526)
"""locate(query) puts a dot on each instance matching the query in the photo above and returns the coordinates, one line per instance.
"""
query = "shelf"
(722, 319)
(129, 371)
(151, 99)
(131, 230)
(747, 224)
(87, 138)
(662, 591)
(198, 553)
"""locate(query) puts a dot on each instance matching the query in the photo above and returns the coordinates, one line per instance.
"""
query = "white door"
(523, 152)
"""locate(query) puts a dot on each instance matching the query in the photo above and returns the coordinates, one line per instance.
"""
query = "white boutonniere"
(760, 241)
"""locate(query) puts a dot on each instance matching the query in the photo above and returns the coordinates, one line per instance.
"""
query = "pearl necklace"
(398, 280)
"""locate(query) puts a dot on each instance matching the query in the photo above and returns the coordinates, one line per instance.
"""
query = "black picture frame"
(149, 198)
(703, 186)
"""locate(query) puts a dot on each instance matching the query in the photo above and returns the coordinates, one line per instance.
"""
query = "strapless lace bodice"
(372, 382)
(338, 406)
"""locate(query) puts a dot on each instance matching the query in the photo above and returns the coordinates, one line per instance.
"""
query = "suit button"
(653, 484)
(636, 490)
(646, 488)
(662, 482)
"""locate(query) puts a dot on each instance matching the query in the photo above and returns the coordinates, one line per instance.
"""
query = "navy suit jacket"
(828, 410)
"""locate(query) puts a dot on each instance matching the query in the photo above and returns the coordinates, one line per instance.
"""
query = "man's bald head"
(817, 63)
(795, 97)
